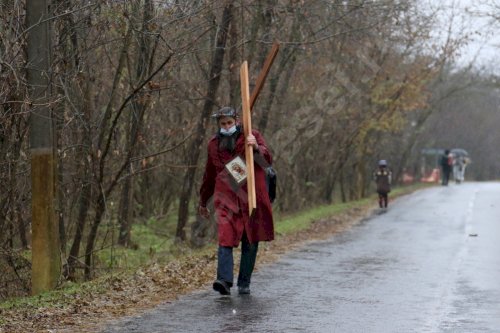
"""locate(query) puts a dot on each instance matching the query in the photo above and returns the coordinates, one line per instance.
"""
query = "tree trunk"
(21, 227)
(79, 92)
(125, 212)
(398, 172)
(102, 150)
(273, 86)
(329, 188)
(342, 187)
(288, 55)
(105, 191)
(89, 249)
(234, 69)
(16, 212)
(139, 106)
(85, 197)
(197, 143)
(86, 190)
(15, 198)
(83, 207)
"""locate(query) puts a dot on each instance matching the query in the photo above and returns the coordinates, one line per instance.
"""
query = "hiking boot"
(222, 287)
(243, 290)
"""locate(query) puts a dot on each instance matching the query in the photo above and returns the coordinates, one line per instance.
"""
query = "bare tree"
(350, 80)
(139, 105)
(196, 144)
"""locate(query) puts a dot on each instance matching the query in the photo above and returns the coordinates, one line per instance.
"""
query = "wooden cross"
(247, 105)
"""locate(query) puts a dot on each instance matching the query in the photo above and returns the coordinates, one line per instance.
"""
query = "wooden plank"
(247, 127)
(46, 255)
(263, 73)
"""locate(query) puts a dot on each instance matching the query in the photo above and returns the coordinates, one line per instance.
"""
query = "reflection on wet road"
(431, 263)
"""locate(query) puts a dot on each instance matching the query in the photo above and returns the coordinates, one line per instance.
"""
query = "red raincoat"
(231, 200)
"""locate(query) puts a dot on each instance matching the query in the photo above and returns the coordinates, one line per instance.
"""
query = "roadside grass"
(302, 220)
(152, 242)
(58, 297)
(155, 245)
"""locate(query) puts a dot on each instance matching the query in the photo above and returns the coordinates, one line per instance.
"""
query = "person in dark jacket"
(222, 180)
(383, 178)
(446, 166)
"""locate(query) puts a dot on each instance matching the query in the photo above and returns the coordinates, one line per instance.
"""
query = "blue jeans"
(225, 263)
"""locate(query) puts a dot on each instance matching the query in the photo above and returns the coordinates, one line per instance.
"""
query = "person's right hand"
(204, 212)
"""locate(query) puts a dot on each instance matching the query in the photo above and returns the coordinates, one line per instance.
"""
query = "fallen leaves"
(121, 294)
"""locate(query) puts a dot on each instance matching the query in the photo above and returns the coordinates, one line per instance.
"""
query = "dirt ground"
(127, 295)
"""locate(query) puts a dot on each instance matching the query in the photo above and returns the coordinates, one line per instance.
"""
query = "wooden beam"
(247, 128)
(263, 73)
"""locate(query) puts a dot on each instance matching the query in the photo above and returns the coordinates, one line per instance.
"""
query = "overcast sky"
(470, 16)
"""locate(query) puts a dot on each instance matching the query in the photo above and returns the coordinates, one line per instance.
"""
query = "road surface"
(431, 263)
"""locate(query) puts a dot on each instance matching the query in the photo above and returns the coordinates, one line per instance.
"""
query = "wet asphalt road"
(416, 268)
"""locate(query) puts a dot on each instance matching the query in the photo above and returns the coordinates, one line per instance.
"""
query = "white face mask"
(228, 132)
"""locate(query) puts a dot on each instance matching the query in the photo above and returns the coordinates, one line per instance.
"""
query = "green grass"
(302, 220)
(154, 242)
(69, 291)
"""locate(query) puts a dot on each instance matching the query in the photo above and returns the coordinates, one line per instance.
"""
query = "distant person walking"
(224, 179)
(383, 178)
(446, 165)
(459, 164)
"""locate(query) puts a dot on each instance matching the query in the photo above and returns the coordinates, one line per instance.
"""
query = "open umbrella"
(459, 152)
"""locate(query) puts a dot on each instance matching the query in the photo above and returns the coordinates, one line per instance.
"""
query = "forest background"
(133, 85)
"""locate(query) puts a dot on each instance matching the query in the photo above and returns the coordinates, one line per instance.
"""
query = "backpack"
(271, 177)
(271, 180)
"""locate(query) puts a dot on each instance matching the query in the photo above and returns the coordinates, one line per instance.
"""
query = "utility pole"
(46, 256)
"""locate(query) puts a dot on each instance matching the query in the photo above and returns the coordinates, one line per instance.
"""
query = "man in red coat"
(222, 181)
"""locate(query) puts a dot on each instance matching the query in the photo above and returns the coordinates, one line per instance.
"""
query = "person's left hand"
(252, 141)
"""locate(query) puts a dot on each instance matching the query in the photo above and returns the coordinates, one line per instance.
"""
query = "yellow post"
(46, 263)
